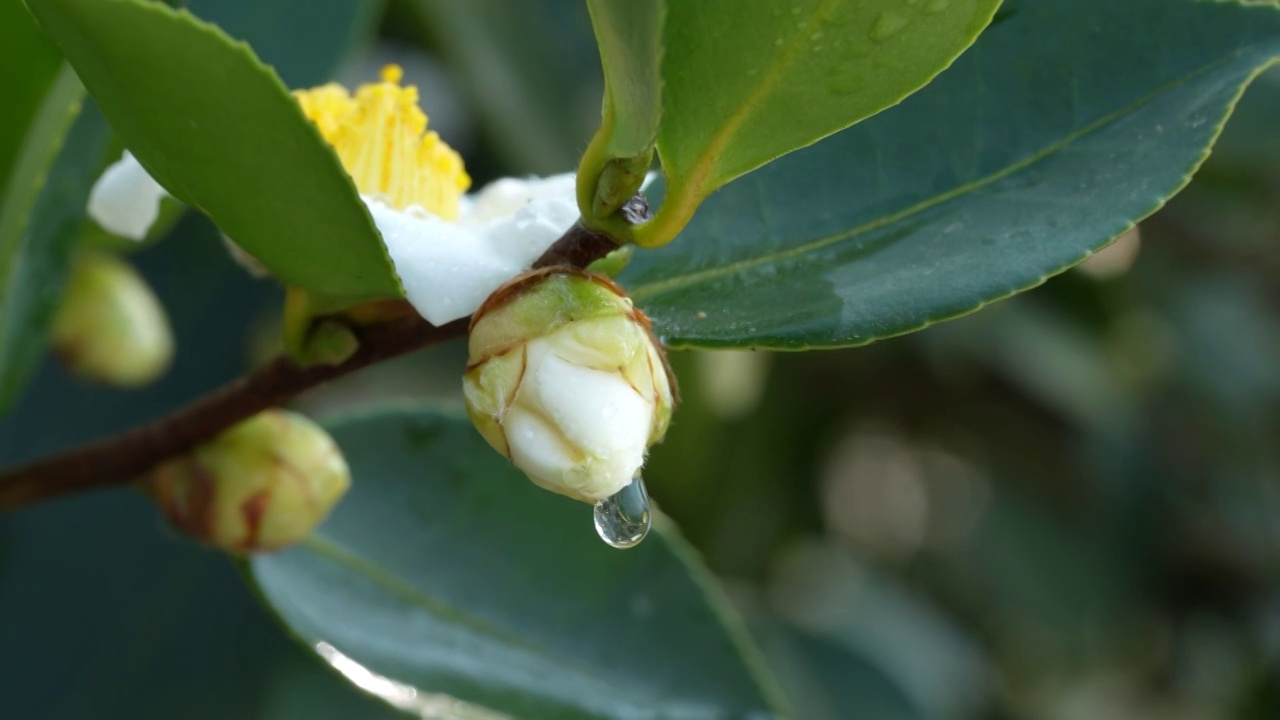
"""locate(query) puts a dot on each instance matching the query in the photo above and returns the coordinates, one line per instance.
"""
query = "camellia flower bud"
(262, 485)
(566, 379)
(111, 328)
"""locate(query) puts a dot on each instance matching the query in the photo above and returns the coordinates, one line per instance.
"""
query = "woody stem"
(119, 459)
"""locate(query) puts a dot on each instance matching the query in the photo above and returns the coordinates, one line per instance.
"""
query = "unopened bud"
(262, 485)
(111, 328)
(566, 379)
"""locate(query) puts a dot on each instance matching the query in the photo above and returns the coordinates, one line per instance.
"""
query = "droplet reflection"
(623, 519)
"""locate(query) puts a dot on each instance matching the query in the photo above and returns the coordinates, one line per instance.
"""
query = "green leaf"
(826, 681)
(34, 247)
(746, 83)
(304, 41)
(42, 210)
(446, 570)
(614, 166)
(220, 131)
(630, 38)
(24, 48)
(40, 216)
(175, 632)
(1067, 122)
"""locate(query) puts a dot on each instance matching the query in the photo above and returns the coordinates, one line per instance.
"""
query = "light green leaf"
(630, 38)
(1069, 121)
(304, 41)
(220, 131)
(748, 82)
(42, 211)
(614, 166)
(446, 570)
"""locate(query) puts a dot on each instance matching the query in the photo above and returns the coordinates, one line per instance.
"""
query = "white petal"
(598, 412)
(503, 198)
(448, 269)
(126, 200)
(538, 450)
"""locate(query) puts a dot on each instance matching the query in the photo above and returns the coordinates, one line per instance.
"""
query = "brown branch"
(120, 459)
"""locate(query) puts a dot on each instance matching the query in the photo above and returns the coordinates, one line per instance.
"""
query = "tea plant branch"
(120, 459)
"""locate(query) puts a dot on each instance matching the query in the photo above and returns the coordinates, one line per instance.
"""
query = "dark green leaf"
(221, 132)
(746, 83)
(25, 49)
(826, 681)
(446, 570)
(42, 105)
(40, 215)
(1066, 123)
(174, 632)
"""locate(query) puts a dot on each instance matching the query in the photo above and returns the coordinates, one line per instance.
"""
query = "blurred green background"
(1064, 506)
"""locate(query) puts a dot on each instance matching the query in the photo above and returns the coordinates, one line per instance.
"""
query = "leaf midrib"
(675, 282)
(699, 175)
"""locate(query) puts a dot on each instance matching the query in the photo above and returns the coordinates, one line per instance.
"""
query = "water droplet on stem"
(623, 519)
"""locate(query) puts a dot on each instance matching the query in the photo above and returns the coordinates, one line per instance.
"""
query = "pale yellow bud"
(111, 328)
(566, 379)
(262, 485)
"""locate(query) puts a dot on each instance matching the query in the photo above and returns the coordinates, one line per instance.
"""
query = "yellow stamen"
(381, 138)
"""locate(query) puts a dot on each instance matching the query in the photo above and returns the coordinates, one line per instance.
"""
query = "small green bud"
(262, 485)
(614, 262)
(111, 328)
(566, 379)
(620, 179)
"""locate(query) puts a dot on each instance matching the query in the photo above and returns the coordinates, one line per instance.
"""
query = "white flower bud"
(566, 379)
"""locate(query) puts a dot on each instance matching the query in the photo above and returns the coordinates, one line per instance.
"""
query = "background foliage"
(1060, 507)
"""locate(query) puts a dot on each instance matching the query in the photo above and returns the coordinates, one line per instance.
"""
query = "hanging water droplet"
(888, 23)
(622, 519)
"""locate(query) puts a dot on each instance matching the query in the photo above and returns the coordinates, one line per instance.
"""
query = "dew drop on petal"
(623, 519)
